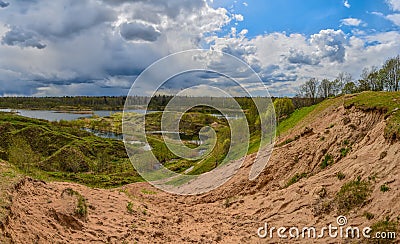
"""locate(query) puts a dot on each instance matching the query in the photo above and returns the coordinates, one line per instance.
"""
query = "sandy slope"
(41, 213)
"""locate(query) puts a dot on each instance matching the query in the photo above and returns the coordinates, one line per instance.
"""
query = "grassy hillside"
(61, 151)
(385, 102)
(53, 152)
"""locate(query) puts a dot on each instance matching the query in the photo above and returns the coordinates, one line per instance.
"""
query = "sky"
(99, 47)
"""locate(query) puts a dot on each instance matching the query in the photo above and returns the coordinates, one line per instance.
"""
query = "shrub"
(344, 151)
(81, 208)
(327, 161)
(384, 188)
(352, 194)
(21, 155)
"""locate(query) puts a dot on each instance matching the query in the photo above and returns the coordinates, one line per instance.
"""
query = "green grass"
(327, 161)
(49, 151)
(384, 188)
(302, 117)
(129, 207)
(352, 194)
(296, 179)
(294, 119)
(387, 226)
(148, 192)
(340, 176)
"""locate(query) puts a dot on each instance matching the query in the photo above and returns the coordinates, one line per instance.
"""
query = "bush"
(327, 161)
(384, 188)
(352, 194)
(344, 151)
(21, 154)
(283, 107)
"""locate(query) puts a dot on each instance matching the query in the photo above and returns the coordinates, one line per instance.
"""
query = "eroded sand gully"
(41, 213)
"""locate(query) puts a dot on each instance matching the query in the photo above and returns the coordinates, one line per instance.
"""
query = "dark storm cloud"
(23, 38)
(95, 44)
(3, 4)
(64, 18)
(139, 32)
(171, 8)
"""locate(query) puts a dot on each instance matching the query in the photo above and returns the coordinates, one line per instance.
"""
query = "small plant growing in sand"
(81, 206)
(389, 228)
(129, 207)
(369, 215)
(372, 177)
(344, 151)
(330, 126)
(385, 188)
(383, 155)
(148, 192)
(340, 175)
(352, 194)
(227, 203)
(327, 161)
(296, 178)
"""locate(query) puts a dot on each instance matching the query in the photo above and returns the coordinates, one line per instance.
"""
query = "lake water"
(57, 116)
(104, 134)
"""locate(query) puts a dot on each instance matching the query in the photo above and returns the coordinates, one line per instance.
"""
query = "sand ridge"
(139, 213)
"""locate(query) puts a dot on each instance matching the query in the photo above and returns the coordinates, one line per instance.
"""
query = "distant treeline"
(112, 102)
(66, 103)
(386, 78)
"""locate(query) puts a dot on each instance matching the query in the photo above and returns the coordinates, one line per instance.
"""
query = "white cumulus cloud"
(394, 4)
(395, 18)
(347, 4)
(351, 22)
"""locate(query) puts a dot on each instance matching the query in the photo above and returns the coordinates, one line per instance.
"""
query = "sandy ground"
(138, 213)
